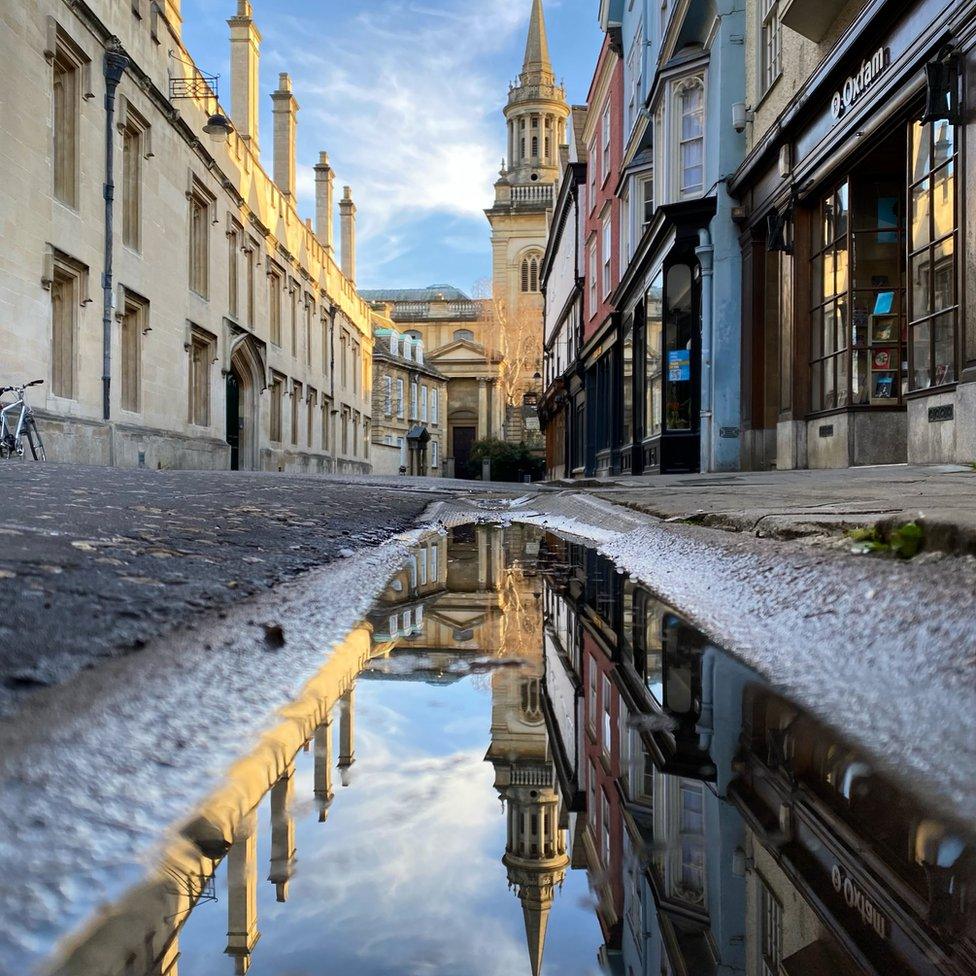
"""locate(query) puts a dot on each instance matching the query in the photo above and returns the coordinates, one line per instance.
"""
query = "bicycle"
(12, 437)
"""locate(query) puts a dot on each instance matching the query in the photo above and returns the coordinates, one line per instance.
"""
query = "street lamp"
(199, 85)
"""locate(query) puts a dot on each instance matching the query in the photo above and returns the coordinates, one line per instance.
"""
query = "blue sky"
(406, 97)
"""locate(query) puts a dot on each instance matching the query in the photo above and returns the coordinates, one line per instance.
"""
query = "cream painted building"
(409, 404)
(535, 115)
(231, 335)
(458, 342)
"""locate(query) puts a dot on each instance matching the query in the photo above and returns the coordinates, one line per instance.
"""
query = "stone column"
(245, 47)
(285, 112)
(323, 768)
(347, 729)
(325, 203)
(482, 408)
(497, 556)
(282, 834)
(498, 409)
(242, 894)
(347, 218)
(482, 535)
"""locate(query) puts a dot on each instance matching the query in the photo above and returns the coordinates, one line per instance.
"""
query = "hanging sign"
(859, 83)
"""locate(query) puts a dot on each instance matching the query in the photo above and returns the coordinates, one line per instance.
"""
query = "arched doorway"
(243, 386)
(233, 399)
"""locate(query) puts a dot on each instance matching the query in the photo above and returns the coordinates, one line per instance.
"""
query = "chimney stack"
(285, 111)
(347, 217)
(325, 203)
(245, 49)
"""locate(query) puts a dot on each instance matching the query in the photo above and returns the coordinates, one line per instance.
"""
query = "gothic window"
(201, 358)
(274, 306)
(132, 328)
(66, 86)
(199, 250)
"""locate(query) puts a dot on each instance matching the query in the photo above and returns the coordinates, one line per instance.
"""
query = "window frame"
(682, 88)
(201, 346)
(770, 45)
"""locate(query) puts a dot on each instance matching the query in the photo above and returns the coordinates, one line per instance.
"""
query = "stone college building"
(164, 286)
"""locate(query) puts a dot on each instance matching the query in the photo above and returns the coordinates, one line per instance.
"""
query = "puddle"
(521, 762)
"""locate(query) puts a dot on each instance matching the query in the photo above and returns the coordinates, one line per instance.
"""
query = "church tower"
(535, 115)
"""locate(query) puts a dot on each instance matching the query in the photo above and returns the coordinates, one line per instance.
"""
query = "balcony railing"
(460, 310)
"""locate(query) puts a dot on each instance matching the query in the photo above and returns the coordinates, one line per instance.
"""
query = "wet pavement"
(523, 761)
(95, 562)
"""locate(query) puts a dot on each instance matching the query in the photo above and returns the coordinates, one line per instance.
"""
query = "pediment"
(462, 351)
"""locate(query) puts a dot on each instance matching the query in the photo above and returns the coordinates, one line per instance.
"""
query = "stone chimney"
(325, 203)
(285, 111)
(347, 217)
(245, 49)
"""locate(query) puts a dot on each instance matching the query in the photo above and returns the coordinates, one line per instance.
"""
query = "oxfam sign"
(858, 84)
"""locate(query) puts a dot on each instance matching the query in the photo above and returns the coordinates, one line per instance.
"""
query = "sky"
(406, 97)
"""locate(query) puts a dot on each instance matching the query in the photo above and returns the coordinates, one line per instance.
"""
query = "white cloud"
(406, 98)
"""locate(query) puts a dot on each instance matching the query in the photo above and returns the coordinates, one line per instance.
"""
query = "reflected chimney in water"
(347, 727)
(282, 834)
(323, 768)
(242, 894)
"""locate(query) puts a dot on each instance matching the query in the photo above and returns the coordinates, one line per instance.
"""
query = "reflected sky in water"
(406, 875)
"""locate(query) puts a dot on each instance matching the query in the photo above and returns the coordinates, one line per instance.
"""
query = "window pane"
(829, 328)
(945, 143)
(840, 282)
(829, 388)
(840, 323)
(921, 372)
(920, 215)
(944, 349)
(829, 262)
(842, 361)
(921, 138)
(841, 214)
(921, 293)
(943, 200)
(863, 304)
(817, 279)
(860, 377)
(944, 276)
(816, 333)
(827, 221)
(816, 385)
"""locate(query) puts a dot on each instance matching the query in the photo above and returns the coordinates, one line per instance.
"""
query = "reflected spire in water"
(282, 834)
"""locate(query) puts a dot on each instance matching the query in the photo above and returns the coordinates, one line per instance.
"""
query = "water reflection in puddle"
(522, 762)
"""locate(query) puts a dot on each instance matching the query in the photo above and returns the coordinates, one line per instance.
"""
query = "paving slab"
(812, 504)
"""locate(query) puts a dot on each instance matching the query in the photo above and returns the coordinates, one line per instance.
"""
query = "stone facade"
(409, 403)
(229, 335)
(459, 344)
(536, 114)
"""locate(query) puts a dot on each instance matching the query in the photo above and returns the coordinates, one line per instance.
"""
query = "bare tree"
(517, 335)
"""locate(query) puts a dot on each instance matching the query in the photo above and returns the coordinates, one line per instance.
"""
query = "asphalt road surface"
(95, 561)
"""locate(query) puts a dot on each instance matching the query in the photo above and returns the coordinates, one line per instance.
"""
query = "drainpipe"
(114, 66)
(705, 253)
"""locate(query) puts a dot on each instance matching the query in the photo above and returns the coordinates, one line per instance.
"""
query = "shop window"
(627, 354)
(857, 347)
(679, 328)
(933, 303)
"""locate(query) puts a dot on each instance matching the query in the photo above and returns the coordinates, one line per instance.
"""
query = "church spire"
(536, 67)
(535, 911)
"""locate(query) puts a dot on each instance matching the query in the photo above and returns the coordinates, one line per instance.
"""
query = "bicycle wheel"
(34, 439)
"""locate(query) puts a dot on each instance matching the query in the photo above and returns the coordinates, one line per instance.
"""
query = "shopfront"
(660, 346)
(890, 882)
(855, 346)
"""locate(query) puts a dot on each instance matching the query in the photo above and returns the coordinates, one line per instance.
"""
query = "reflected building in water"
(726, 829)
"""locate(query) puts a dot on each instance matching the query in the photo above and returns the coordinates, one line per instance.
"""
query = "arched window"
(530, 273)
(535, 146)
(466, 334)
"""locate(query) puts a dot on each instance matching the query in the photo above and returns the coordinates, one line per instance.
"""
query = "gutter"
(114, 65)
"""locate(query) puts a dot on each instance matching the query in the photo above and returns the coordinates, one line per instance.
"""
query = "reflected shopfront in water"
(663, 809)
